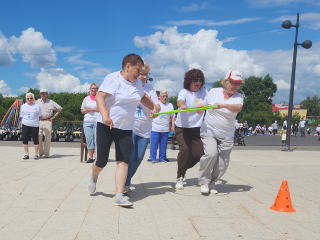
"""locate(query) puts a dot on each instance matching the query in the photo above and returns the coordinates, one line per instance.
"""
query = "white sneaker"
(213, 191)
(179, 184)
(204, 188)
(126, 189)
(92, 185)
(122, 202)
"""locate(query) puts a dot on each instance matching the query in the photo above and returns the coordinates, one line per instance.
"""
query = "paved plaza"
(48, 198)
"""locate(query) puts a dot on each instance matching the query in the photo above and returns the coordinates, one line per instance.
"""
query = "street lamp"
(306, 44)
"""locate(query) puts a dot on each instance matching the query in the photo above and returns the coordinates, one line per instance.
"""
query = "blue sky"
(66, 45)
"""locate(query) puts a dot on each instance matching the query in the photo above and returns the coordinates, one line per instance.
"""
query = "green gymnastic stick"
(187, 110)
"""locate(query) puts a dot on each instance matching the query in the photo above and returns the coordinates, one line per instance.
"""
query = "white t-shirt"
(318, 129)
(162, 122)
(220, 122)
(302, 123)
(30, 114)
(263, 129)
(123, 99)
(89, 103)
(190, 119)
(142, 120)
(258, 127)
(270, 129)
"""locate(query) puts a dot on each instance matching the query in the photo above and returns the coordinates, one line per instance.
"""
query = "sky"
(63, 46)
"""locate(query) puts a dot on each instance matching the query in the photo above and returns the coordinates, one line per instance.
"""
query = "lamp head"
(307, 44)
(287, 24)
(150, 79)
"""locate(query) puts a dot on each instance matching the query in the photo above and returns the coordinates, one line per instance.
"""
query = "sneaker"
(149, 159)
(163, 161)
(92, 185)
(166, 159)
(36, 157)
(153, 161)
(179, 184)
(213, 191)
(90, 160)
(122, 202)
(126, 189)
(204, 188)
(184, 178)
(25, 157)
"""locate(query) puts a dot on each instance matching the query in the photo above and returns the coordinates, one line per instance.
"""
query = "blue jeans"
(90, 133)
(156, 138)
(137, 153)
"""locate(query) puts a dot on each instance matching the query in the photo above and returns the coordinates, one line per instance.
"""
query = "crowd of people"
(123, 111)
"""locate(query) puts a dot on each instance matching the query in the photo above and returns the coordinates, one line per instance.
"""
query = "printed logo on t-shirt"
(140, 111)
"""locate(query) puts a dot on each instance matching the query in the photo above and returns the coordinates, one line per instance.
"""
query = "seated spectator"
(263, 130)
(270, 129)
(309, 131)
(250, 130)
(258, 129)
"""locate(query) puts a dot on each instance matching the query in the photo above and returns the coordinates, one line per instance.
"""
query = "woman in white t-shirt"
(188, 123)
(318, 130)
(117, 99)
(217, 130)
(90, 110)
(30, 113)
(160, 129)
(142, 127)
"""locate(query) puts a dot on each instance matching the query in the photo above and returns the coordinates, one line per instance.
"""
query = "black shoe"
(36, 157)
(90, 160)
(166, 159)
(26, 157)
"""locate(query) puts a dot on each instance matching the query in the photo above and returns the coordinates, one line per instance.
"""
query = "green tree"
(173, 101)
(217, 84)
(35, 91)
(312, 104)
(257, 105)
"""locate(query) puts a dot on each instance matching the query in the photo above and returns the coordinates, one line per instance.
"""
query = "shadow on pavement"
(60, 156)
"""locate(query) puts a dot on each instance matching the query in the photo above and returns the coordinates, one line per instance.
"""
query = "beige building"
(301, 112)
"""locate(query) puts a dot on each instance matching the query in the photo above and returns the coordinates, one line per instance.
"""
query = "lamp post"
(306, 44)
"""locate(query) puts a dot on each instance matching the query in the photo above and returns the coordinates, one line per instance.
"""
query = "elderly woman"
(90, 110)
(142, 127)
(30, 113)
(188, 123)
(217, 130)
(117, 99)
(161, 128)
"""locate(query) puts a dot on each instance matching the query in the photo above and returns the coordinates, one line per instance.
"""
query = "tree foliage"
(173, 100)
(312, 104)
(217, 84)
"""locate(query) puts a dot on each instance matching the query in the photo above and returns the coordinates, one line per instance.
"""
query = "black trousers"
(26, 131)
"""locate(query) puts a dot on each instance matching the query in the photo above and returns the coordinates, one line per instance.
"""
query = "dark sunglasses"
(198, 80)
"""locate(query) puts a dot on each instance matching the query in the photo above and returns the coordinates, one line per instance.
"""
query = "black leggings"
(104, 138)
(26, 130)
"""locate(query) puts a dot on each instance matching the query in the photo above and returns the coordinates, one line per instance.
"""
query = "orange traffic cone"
(283, 200)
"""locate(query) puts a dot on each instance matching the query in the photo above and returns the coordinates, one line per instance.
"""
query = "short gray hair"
(146, 67)
(164, 91)
(29, 94)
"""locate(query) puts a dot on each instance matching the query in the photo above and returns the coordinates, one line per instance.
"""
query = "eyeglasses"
(29, 98)
(198, 80)
(235, 83)
(144, 74)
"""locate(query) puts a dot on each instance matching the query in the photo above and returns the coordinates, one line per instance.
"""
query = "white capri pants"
(215, 161)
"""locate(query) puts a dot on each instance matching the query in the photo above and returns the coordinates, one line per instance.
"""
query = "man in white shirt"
(302, 125)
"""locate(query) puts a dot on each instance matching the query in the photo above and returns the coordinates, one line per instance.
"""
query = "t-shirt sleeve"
(238, 99)
(140, 88)
(153, 96)
(84, 103)
(182, 95)
(206, 99)
(39, 110)
(109, 85)
(171, 109)
(56, 107)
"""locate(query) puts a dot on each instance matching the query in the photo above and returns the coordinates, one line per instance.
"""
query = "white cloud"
(161, 27)
(58, 80)
(23, 89)
(167, 84)
(273, 3)
(5, 90)
(96, 73)
(76, 60)
(173, 53)
(195, 7)
(5, 54)
(80, 67)
(34, 48)
(229, 39)
(307, 17)
(282, 85)
(212, 23)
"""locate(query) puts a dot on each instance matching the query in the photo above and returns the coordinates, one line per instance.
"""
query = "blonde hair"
(146, 67)
(224, 81)
(93, 84)
(29, 94)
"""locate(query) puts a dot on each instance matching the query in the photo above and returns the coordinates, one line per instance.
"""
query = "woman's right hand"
(183, 107)
(108, 121)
